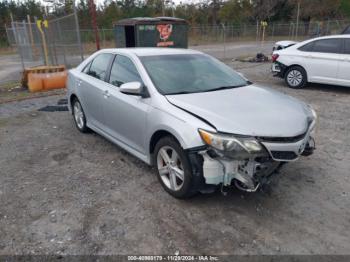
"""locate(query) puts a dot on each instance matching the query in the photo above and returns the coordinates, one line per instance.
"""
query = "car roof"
(285, 42)
(151, 51)
(330, 37)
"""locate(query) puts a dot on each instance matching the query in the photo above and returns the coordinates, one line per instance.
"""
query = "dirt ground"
(63, 192)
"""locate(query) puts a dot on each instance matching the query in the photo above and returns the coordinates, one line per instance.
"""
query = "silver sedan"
(199, 122)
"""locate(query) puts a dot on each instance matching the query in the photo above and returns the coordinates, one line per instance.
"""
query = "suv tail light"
(275, 57)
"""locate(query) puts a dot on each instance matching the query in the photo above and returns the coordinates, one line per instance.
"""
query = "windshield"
(182, 74)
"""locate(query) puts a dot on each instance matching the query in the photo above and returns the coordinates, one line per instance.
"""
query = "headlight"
(230, 143)
(313, 112)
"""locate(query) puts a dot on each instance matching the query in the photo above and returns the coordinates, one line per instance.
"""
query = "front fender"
(183, 126)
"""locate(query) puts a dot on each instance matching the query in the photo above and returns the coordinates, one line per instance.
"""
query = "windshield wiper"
(182, 93)
(210, 90)
(225, 87)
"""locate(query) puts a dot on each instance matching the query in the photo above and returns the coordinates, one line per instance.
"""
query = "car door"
(323, 60)
(91, 87)
(125, 115)
(344, 65)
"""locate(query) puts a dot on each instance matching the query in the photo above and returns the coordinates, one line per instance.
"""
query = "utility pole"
(92, 7)
(297, 26)
(163, 7)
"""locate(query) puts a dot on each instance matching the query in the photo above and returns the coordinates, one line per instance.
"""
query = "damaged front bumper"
(278, 69)
(220, 168)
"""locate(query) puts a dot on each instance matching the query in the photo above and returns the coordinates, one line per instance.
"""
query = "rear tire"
(79, 116)
(296, 77)
(174, 170)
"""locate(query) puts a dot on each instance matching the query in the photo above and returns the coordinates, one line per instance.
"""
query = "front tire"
(79, 116)
(296, 77)
(173, 168)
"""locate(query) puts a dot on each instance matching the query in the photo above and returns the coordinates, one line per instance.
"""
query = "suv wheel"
(79, 116)
(295, 77)
(173, 168)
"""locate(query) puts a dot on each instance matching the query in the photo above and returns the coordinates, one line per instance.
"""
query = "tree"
(234, 11)
(267, 9)
(319, 10)
(345, 8)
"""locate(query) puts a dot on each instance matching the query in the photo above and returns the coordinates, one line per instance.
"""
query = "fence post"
(19, 48)
(327, 30)
(78, 31)
(104, 38)
(224, 36)
(31, 35)
(62, 42)
(257, 31)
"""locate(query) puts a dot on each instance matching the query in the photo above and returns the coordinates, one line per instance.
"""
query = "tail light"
(275, 57)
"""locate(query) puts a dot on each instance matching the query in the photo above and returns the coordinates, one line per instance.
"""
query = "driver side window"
(123, 71)
(99, 66)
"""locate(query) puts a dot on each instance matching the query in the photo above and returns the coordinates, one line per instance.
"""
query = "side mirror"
(132, 88)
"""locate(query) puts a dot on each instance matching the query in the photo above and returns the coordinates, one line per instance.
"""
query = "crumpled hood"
(249, 110)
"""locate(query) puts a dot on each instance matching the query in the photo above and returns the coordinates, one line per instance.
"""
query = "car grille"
(281, 139)
(284, 155)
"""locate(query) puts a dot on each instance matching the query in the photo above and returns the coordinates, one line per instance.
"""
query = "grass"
(12, 91)
(3, 122)
(7, 51)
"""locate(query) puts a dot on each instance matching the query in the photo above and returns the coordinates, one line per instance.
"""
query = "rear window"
(347, 46)
(99, 65)
(324, 46)
(346, 31)
(328, 46)
(307, 48)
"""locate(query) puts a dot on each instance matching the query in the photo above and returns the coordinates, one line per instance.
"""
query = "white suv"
(324, 60)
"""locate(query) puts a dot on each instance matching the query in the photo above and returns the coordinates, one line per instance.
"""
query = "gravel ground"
(63, 192)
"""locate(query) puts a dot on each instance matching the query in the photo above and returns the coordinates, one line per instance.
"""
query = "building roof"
(150, 20)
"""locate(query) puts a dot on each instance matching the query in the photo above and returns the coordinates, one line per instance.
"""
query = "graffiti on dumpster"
(164, 34)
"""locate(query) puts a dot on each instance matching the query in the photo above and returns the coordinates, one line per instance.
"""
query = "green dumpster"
(151, 32)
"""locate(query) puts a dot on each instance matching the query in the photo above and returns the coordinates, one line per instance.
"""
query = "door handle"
(106, 94)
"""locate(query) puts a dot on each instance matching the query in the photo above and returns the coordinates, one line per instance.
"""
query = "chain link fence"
(3, 39)
(56, 43)
(201, 35)
(64, 41)
(67, 44)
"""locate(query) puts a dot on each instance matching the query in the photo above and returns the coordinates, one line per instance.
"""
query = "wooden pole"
(94, 24)
(31, 36)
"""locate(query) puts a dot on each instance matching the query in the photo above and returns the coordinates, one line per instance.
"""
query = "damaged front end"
(246, 174)
(248, 162)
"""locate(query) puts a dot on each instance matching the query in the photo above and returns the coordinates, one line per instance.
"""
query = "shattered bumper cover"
(219, 168)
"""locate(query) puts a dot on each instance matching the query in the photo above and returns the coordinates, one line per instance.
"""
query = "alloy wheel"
(294, 78)
(79, 115)
(170, 168)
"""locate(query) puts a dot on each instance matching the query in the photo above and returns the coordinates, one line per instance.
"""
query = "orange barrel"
(54, 80)
(35, 82)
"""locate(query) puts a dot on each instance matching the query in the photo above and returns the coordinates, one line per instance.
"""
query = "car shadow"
(234, 196)
(328, 88)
